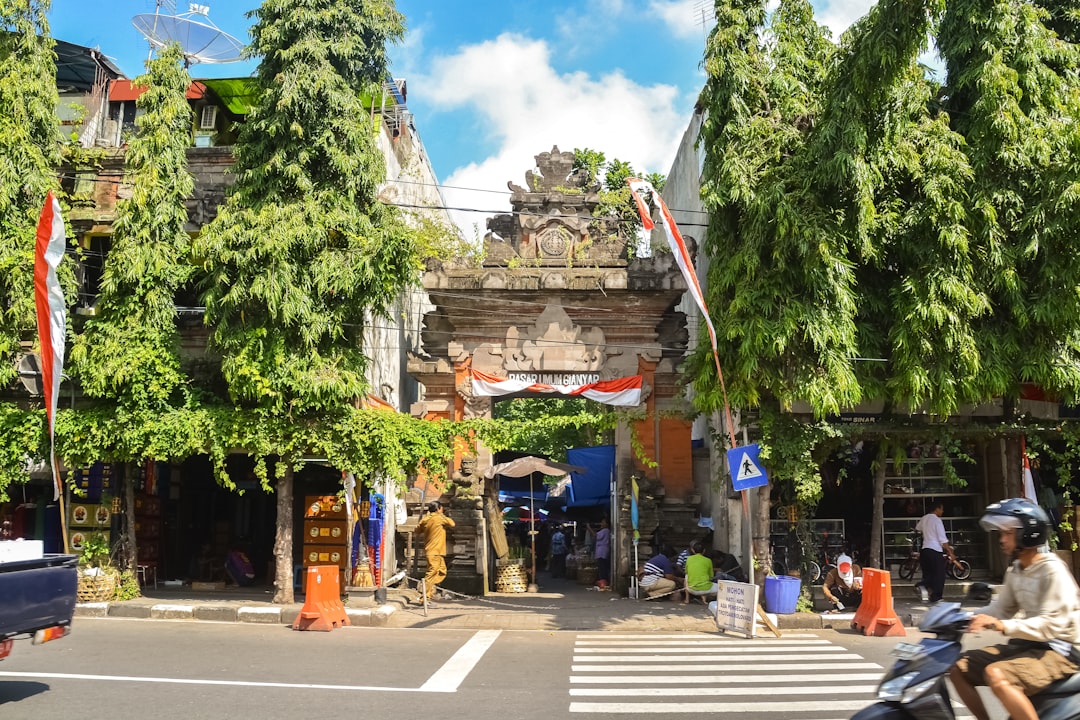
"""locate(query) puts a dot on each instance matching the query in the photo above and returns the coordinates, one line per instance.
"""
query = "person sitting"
(843, 584)
(658, 575)
(1037, 609)
(699, 574)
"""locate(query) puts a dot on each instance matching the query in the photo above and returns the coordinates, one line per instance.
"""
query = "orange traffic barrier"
(876, 615)
(322, 605)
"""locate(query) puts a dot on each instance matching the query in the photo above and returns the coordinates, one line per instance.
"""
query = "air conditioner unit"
(208, 118)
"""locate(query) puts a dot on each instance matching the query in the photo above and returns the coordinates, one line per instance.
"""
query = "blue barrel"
(782, 593)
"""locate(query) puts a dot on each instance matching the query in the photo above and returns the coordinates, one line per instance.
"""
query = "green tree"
(548, 426)
(303, 253)
(875, 235)
(616, 202)
(29, 157)
(1013, 93)
(129, 351)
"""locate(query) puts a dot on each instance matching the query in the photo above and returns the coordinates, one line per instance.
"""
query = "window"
(208, 118)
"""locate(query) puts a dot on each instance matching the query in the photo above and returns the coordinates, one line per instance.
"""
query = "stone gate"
(561, 297)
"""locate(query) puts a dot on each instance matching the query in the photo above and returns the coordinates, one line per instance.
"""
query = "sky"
(492, 83)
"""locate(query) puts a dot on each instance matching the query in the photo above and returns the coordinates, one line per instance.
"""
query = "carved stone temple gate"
(556, 300)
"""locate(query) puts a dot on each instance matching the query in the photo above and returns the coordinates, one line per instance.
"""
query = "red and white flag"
(675, 240)
(625, 392)
(49, 300)
(1029, 481)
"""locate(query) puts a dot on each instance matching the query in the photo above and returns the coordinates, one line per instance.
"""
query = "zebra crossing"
(797, 676)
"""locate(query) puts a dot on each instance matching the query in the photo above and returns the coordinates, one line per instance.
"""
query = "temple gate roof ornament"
(556, 299)
(554, 343)
(553, 220)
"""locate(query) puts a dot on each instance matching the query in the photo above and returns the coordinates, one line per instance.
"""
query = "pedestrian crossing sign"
(746, 469)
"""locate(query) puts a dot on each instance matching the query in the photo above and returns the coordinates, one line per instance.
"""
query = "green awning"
(238, 94)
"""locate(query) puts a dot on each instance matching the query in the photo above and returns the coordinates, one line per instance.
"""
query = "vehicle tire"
(826, 570)
(814, 571)
(907, 570)
(960, 573)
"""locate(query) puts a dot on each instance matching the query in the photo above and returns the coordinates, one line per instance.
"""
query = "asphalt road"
(187, 670)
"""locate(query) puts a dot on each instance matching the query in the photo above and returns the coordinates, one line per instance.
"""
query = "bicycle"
(960, 570)
(819, 571)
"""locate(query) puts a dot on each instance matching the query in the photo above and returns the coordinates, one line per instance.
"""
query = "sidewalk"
(561, 605)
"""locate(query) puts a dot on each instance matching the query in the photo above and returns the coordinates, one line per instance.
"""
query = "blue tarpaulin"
(593, 488)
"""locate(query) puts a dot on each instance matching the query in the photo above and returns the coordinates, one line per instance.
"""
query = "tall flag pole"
(640, 187)
(51, 323)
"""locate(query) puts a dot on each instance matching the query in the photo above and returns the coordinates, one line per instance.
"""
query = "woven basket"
(95, 588)
(511, 579)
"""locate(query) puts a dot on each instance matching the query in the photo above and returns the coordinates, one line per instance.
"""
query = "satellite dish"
(199, 38)
(30, 374)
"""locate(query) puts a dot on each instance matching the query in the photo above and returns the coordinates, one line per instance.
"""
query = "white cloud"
(523, 107)
(685, 18)
(838, 15)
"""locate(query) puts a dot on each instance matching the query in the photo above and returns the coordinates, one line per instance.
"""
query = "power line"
(481, 211)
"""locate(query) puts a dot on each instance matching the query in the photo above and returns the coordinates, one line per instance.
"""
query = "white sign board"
(736, 607)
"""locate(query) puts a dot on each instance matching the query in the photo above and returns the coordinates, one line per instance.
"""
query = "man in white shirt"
(935, 546)
(1037, 609)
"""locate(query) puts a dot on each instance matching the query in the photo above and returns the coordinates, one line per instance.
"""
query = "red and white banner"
(49, 300)
(686, 264)
(624, 392)
(675, 241)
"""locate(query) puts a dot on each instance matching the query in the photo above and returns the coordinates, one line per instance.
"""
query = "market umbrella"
(528, 465)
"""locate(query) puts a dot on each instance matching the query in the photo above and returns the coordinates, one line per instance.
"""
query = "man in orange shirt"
(434, 525)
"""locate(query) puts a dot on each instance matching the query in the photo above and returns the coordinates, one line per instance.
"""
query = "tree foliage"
(877, 235)
(29, 157)
(549, 426)
(128, 352)
(303, 253)
(611, 175)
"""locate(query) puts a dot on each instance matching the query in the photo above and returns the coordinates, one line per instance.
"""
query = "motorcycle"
(915, 686)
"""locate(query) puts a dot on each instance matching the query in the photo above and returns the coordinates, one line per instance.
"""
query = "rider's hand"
(985, 622)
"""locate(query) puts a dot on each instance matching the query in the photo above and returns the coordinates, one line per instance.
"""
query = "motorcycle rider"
(1040, 647)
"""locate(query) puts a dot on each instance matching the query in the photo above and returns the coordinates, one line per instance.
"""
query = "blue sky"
(492, 83)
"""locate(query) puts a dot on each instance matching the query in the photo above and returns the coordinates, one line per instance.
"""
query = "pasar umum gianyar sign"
(625, 392)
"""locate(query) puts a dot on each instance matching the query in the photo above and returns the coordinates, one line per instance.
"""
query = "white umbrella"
(528, 465)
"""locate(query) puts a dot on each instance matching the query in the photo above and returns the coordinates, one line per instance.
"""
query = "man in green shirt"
(699, 574)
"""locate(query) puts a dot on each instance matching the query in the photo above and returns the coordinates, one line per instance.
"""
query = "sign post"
(747, 472)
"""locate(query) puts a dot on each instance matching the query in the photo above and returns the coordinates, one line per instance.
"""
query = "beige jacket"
(1047, 596)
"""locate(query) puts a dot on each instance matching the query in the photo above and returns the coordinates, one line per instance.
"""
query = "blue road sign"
(746, 470)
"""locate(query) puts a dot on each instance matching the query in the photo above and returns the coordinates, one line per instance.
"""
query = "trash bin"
(782, 593)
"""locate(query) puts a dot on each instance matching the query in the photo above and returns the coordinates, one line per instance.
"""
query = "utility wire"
(482, 211)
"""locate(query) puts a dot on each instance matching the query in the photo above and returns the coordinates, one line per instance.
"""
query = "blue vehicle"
(37, 598)
(915, 686)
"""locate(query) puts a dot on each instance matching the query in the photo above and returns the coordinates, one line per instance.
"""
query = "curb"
(374, 616)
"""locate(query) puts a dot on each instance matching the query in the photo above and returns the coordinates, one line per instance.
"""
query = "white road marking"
(715, 658)
(725, 691)
(195, 681)
(711, 642)
(718, 679)
(718, 650)
(446, 679)
(728, 666)
(450, 676)
(783, 706)
(650, 674)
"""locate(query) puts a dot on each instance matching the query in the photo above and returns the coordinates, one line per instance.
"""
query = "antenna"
(200, 39)
(704, 11)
